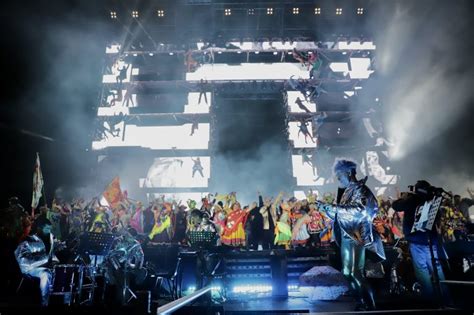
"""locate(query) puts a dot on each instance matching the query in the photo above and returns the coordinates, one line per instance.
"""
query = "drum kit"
(112, 258)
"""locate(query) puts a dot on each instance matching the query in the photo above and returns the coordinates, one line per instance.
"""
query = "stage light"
(296, 11)
(251, 11)
(161, 44)
(227, 12)
(160, 13)
(135, 14)
(269, 11)
(239, 52)
(134, 55)
(113, 14)
(317, 11)
(252, 289)
(151, 54)
(360, 11)
(171, 54)
(219, 52)
(275, 53)
(257, 52)
(376, 99)
(338, 130)
(339, 11)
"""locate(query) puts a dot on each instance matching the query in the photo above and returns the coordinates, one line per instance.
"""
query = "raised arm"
(260, 199)
(352, 209)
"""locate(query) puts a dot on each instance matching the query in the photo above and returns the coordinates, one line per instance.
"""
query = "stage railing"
(181, 302)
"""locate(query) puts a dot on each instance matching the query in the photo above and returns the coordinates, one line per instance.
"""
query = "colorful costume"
(283, 230)
(234, 234)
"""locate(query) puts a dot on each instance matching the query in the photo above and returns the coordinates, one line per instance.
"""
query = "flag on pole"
(113, 194)
(38, 184)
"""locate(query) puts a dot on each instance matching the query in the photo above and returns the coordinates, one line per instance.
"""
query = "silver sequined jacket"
(354, 216)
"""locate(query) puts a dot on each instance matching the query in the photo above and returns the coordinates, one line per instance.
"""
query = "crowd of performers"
(355, 220)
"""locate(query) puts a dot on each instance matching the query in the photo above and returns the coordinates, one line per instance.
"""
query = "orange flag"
(113, 193)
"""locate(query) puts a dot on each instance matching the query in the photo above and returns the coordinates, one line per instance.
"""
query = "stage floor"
(271, 305)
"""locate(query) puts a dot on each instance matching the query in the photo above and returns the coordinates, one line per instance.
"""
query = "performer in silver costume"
(353, 216)
(32, 256)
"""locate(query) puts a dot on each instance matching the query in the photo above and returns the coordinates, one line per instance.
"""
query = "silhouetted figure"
(194, 127)
(122, 74)
(197, 167)
(305, 131)
(300, 104)
(202, 90)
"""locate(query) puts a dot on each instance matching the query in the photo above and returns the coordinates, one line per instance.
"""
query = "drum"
(66, 279)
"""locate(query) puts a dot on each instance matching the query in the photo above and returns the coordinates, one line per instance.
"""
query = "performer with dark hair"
(353, 215)
(32, 256)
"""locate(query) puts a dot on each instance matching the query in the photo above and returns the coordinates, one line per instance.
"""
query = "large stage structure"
(155, 115)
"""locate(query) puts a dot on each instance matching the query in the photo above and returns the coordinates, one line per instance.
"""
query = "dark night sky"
(37, 96)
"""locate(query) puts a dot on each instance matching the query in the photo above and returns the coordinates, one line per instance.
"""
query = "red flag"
(113, 194)
(37, 185)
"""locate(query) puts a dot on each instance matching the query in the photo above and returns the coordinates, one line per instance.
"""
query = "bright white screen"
(112, 78)
(304, 173)
(159, 137)
(376, 170)
(177, 172)
(249, 71)
(299, 140)
(359, 68)
(292, 95)
(193, 106)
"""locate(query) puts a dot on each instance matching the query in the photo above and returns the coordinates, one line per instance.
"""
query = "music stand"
(425, 217)
(96, 244)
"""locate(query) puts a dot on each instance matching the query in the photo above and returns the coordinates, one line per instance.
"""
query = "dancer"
(122, 75)
(307, 159)
(305, 131)
(197, 167)
(202, 90)
(300, 104)
(194, 127)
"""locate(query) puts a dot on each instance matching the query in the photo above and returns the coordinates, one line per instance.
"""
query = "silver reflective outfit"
(353, 218)
(31, 255)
